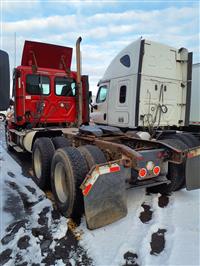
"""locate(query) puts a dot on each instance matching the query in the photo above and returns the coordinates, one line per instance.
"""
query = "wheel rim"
(37, 163)
(61, 182)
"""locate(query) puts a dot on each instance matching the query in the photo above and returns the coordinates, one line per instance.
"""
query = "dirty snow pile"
(27, 216)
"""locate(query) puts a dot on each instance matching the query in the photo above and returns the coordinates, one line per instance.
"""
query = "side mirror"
(93, 107)
(4, 81)
(90, 97)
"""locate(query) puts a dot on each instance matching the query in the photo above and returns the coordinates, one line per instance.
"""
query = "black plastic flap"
(193, 169)
(4, 81)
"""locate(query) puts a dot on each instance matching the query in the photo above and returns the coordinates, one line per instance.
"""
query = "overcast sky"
(105, 26)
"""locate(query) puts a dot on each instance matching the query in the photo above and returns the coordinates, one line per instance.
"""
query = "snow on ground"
(180, 219)
(158, 230)
(32, 232)
(21, 198)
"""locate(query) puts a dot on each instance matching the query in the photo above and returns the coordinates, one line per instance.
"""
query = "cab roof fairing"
(117, 69)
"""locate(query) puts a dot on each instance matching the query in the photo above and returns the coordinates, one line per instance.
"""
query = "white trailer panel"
(195, 97)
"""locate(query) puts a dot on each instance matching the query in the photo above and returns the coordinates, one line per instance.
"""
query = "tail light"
(156, 170)
(142, 172)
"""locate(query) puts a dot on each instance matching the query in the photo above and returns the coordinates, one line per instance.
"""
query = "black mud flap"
(193, 169)
(105, 201)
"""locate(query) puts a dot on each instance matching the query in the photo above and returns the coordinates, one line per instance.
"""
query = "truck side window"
(37, 84)
(125, 60)
(101, 95)
(65, 86)
(122, 94)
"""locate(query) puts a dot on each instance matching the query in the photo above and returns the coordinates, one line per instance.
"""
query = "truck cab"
(147, 84)
(45, 88)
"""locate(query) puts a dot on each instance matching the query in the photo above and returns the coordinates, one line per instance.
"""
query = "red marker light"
(156, 170)
(142, 172)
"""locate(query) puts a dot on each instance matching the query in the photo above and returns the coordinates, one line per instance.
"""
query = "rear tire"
(60, 142)
(68, 171)
(92, 154)
(42, 155)
(176, 172)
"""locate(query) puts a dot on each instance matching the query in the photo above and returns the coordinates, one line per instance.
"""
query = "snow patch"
(180, 219)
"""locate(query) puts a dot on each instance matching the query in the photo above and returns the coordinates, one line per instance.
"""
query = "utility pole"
(15, 50)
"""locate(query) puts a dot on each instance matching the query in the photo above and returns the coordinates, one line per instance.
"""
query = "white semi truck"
(148, 85)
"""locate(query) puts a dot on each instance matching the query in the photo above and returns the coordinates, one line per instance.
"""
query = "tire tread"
(60, 142)
(47, 150)
(77, 163)
(92, 154)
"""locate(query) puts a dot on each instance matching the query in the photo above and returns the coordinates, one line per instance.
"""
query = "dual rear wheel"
(42, 154)
(64, 168)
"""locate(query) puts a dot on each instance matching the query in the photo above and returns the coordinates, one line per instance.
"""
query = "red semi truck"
(87, 167)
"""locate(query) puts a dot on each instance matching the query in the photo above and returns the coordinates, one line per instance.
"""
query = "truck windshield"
(37, 84)
(65, 86)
